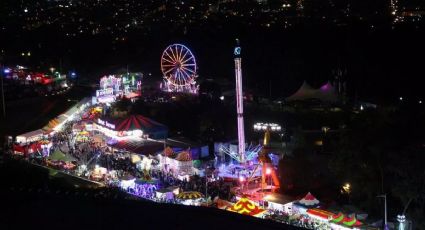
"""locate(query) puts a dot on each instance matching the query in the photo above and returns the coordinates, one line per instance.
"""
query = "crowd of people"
(92, 155)
(299, 220)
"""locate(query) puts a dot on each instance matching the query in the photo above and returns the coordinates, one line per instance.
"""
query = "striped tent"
(134, 122)
(154, 129)
(190, 195)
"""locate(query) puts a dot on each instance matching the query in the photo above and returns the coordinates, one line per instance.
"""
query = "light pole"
(385, 210)
(2, 92)
(347, 189)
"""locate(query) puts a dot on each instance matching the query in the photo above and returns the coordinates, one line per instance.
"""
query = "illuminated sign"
(106, 124)
(102, 92)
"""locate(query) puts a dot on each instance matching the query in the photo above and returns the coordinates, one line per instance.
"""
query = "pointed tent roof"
(246, 207)
(134, 122)
(309, 201)
(304, 92)
(325, 93)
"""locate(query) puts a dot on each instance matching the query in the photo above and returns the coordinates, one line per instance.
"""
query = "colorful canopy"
(320, 213)
(341, 219)
(60, 156)
(192, 195)
(184, 156)
(246, 207)
(136, 122)
(337, 218)
(309, 201)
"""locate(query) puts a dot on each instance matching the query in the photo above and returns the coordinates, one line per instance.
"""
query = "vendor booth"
(190, 198)
(35, 135)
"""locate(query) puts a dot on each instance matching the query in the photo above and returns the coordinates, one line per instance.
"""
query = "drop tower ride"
(239, 102)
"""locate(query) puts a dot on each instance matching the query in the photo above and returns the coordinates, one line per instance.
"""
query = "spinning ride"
(178, 65)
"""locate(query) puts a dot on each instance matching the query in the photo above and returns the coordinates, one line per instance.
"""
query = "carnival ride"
(178, 65)
(266, 162)
(253, 161)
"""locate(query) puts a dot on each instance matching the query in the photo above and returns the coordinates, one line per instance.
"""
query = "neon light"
(105, 123)
(102, 92)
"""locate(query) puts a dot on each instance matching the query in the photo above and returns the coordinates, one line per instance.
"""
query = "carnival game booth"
(179, 164)
(98, 173)
(247, 207)
(197, 150)
(164, 194)
(279, 202)
(131, 126)
(146, 188)
(59, 160)
(190, 198)
(27, 149)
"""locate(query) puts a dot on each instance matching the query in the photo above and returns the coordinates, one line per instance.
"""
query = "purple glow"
(325, 87)
(6, 70)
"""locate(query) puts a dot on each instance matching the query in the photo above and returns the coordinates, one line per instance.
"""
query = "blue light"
(237, 51)
(6, 70)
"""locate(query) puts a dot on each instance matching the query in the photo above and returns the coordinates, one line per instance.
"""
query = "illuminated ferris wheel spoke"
(173, 54)
(166, 72)
(180, 54)
(165, 59)
(187, 69)
(188, 77)
(184, 55)
(183, 62)
(182, 78)
(181, 81)
(168, 65)
(171, 58)
(177, 54)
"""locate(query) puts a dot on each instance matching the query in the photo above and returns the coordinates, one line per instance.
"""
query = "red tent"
(134, 122)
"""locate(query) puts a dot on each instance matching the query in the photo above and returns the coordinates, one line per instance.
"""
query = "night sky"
(381, 61)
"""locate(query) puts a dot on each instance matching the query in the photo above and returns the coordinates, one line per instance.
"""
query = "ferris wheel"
(178, 65)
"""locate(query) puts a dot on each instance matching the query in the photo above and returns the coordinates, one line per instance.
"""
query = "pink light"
(241, 179)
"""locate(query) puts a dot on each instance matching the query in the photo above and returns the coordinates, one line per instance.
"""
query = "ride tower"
(239, 102)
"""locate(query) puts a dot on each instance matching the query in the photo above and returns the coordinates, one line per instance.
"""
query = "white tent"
(325, 93)
(304, 92)
(35, 135)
